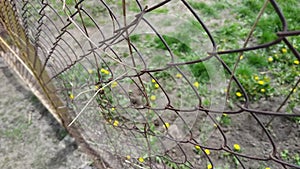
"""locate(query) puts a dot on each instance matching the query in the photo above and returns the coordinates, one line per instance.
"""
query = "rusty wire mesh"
(137, 105)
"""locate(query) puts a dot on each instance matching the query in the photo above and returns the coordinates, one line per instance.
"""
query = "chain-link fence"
(147, 84)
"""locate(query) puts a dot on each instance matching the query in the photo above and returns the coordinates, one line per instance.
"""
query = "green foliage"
(287, 156)
(224, 120)
(204, 8)
(284, 154)
(258, 61)
(296, 158)
(199, 70)
(161, 10)
(175, 44)
(16, 132)
(172, 164)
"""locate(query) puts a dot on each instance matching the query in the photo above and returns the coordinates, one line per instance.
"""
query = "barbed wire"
(117, 77)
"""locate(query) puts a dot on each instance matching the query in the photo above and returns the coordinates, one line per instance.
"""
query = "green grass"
(204, 8)
(16, 132)
(260, 76)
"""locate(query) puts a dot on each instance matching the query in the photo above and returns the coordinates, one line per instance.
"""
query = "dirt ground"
(29, 136)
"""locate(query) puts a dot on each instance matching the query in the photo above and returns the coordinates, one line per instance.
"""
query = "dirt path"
(29, 136)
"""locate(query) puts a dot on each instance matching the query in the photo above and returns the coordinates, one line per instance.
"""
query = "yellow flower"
(196, 84)
(263, 90)
(116, 123)
(283, 50)
(113, 109)
(296, 62)
(71, 96)
(261, 82)
(241, 57)
(224, 114)
(156, 86)
(167, 125)
(270, 59)
(152, 97)
(104, 71)
(141, 160)
(267, 168)
(90, 71)
(209, 166)
(128, 157)
(178, 75)
(207, 151)
(197, 147)
(153, 81)
(114, 84)
(256, 77)
(236, 147)
(238, 94)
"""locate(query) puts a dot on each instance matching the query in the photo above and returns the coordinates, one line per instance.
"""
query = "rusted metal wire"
(131, 104)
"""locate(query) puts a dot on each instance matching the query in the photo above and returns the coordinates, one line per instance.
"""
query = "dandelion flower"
(104, 71)
(153, 81)
(167, 125)
(178, 75)
(156, 86)
(283, 50)
(296, 62)
(261, 82)
(209, 166)
(270, 59)
(116, 123)
(241, 57)
(197, 147)
(267, 168)
(207, 151)
(128, 157)
(71, 96)
(256, 77)
(152, 97)
(114, 84)
(263, 90)
(196, 84)
(113, 109)
(238, 94)
(236, 147)
(141, 160)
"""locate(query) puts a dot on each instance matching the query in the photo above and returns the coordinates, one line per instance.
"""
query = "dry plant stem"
(92, 98)
(283, 103)
(244, 46)
(72, 17)
(78, 27)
